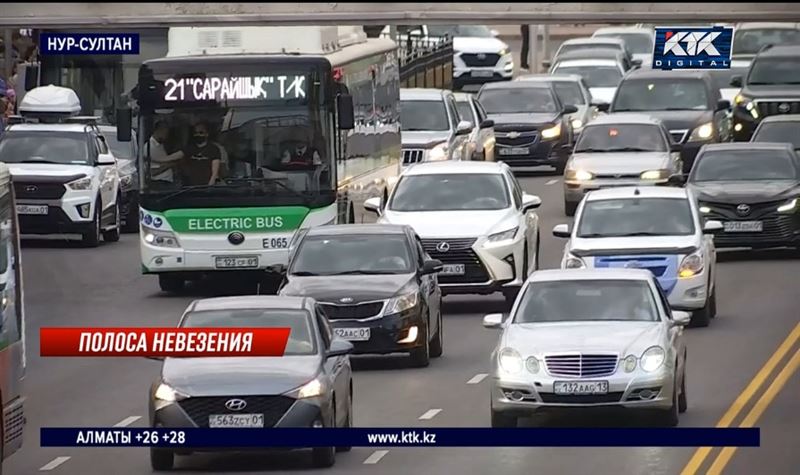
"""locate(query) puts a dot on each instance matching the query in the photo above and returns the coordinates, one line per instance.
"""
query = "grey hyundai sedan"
(310, 386)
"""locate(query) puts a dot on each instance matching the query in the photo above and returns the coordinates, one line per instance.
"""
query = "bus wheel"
(170, 283)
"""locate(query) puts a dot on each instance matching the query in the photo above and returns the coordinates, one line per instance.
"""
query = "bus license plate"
(40, 210)
(352, 334)
(243, 421)
(580, 387)
(453, 269)
(744, 226)
(236, 262)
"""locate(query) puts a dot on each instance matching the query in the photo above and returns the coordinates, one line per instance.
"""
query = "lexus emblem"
(236, 238)
(235, 404)
(346, 300)
(31, 188)
(784, 108)
(512, 135)
(481, 56)
(633, 265)
(443, 246)
(743, 209)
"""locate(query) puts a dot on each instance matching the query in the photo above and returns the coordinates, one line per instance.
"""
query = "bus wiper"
(184, 190)
(361, 272)
(272, 180)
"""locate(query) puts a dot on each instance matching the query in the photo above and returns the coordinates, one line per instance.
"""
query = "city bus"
(248, 134)
(12, 322)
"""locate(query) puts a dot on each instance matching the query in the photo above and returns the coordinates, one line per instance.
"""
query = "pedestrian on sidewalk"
(523, 55)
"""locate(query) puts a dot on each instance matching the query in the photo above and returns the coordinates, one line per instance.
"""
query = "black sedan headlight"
(790, 206)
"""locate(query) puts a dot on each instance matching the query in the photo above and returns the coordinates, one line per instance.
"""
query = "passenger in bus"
(302, 154)
(201, 162)
(161, 162)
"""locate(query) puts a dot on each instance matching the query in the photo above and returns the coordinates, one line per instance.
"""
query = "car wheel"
(682, 401)
(421, 357)
(669, 417)
(170, 283)
(713, 303)
(114, 234)
(349, 422)
(437, 346)
(536, 257)
(570, 208)
(91, 238)
(702, 317)
(162, 460)
(500, 420)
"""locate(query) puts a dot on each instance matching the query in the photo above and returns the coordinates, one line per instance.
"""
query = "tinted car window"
(456, 192)
(722, 77)
(774, 71)
(569, 93)
(44, 147)
(353, 254)
(744, 165)
(626, 217)
(587, 300)
(751, 41)
(621, 138)
(595, 76)
(661, 94)
(424, 115)
(785, 132)
(517, 100)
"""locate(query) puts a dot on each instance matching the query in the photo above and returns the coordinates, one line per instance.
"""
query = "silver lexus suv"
(431, 129)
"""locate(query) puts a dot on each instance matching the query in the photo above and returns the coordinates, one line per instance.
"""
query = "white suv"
(651, 227)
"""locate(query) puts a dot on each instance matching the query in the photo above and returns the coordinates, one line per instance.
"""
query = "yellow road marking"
(758, 410)
(758, 380)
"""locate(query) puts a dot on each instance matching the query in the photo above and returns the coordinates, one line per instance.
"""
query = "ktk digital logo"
(692, 48)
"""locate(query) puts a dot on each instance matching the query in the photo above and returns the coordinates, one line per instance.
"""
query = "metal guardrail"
(426, 62)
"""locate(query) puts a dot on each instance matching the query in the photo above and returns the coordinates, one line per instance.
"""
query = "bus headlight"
(160, 238)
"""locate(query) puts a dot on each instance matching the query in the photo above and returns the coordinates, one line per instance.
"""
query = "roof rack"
(54, 118)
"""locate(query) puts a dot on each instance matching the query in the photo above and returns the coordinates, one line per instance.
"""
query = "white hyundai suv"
(652, 227)
(472, 216)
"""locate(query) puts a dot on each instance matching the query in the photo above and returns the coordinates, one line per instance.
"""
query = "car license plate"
(743, 226)
(514, 151)
(243, 421)
(482, 74)
(32, 209)
(352, 334)
(277, 242)
(575, 388)
(236, 262)
(453, 269)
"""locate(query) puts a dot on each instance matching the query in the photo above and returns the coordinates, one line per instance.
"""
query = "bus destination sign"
(243, 88)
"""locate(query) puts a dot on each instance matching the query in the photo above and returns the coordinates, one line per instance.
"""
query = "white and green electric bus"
(248, 134)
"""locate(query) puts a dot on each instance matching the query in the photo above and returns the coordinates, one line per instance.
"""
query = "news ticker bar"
(399, 437)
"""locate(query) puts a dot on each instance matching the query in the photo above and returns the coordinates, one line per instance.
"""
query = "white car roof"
(586, 62)
(422, 94)
(629, 192)
(550, 77)
(452, 167)
(594, 40)
(552, 275)
(79, 128)
(622, 29)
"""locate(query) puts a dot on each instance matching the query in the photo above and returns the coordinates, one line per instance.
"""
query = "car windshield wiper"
(638, 233)
(591, 150)
(628, 149)
(39, 160)
(304, 273)
(594, 235)
(361, 272)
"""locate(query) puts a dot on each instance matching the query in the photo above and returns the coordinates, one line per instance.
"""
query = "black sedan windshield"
(353, 255)
(301, 339)
(621, 138)
(423, 115)
(44, 147)
(783, 132)
(636, 217)
(587, 300)
(661, 95)
(456, 192)
(517, 100)
(744, 165)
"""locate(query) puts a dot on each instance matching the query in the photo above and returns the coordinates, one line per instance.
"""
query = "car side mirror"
(636, 63)
(345, 113)
(31, 77)
(675, 147)
(676, 180)
(124, 124)
(339, 347)
(603, 107)
(494, 33)
(487, 123)
(106, 159)
(432, 266)
(597, 102)
(546, 63)
(723, 104)
(373, 204)
(493, 320)
(736, 81)
(530, 202)
(681, 318)
(712, 227)
(570, 109)
(561, 231)
(464, 127)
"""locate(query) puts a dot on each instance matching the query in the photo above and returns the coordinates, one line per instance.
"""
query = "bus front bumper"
(157, 260)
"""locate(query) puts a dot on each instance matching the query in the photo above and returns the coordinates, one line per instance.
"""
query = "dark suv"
(531, 126)
(689, 103)
(771, 87)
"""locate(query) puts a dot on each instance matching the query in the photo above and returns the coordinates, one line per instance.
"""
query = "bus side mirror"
(346, 114)
(124, 124)
(31, 77)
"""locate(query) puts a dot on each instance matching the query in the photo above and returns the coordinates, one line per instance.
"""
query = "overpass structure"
(161, 15)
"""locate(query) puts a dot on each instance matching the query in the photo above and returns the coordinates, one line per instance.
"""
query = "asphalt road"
(70, 286)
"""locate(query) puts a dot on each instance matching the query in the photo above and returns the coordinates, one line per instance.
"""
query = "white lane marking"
(430, 414)
(477, 378)
(552, 182)
(375, 457)
(54, 463)
(127, 421)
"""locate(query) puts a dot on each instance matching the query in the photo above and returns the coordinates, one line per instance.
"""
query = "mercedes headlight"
(656, 175)
(577, 124)
(160, 238)
(579, 175)
(438, 153)
(652, 358)
(313, 388)
(552, 132)
(504, 235)
(573, 262)
(402, 303)
(80, 184)
(789, 206)
(691, 265)
(167, 393)
(510, 361)
(532, 364)
(629, 363)
(704, 132)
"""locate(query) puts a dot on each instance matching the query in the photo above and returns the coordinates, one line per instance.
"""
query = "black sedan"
(310, 386)
(376, 285)
(754, 189)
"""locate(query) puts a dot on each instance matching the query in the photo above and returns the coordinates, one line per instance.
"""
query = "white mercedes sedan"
(472, 216)
(589, 338)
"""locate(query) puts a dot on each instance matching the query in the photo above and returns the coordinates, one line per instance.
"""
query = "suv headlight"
(704, 132)
(84, 183)
(789, 206)
(504, 52)
(572, 262)
(160, 238)
(691, 265)
(510, 361)
(402, 303)
(167, 393)
(504, 235)
(652, 358)
(656, 175)
(552, 132)
(438, 153)
(579, 175)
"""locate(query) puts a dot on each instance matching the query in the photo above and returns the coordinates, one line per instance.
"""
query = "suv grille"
(39, 191)
(352, 312)
(273, 407)
(766, 108)
(412, 156)
(480, 60)
(459, 252)
(581, 366)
